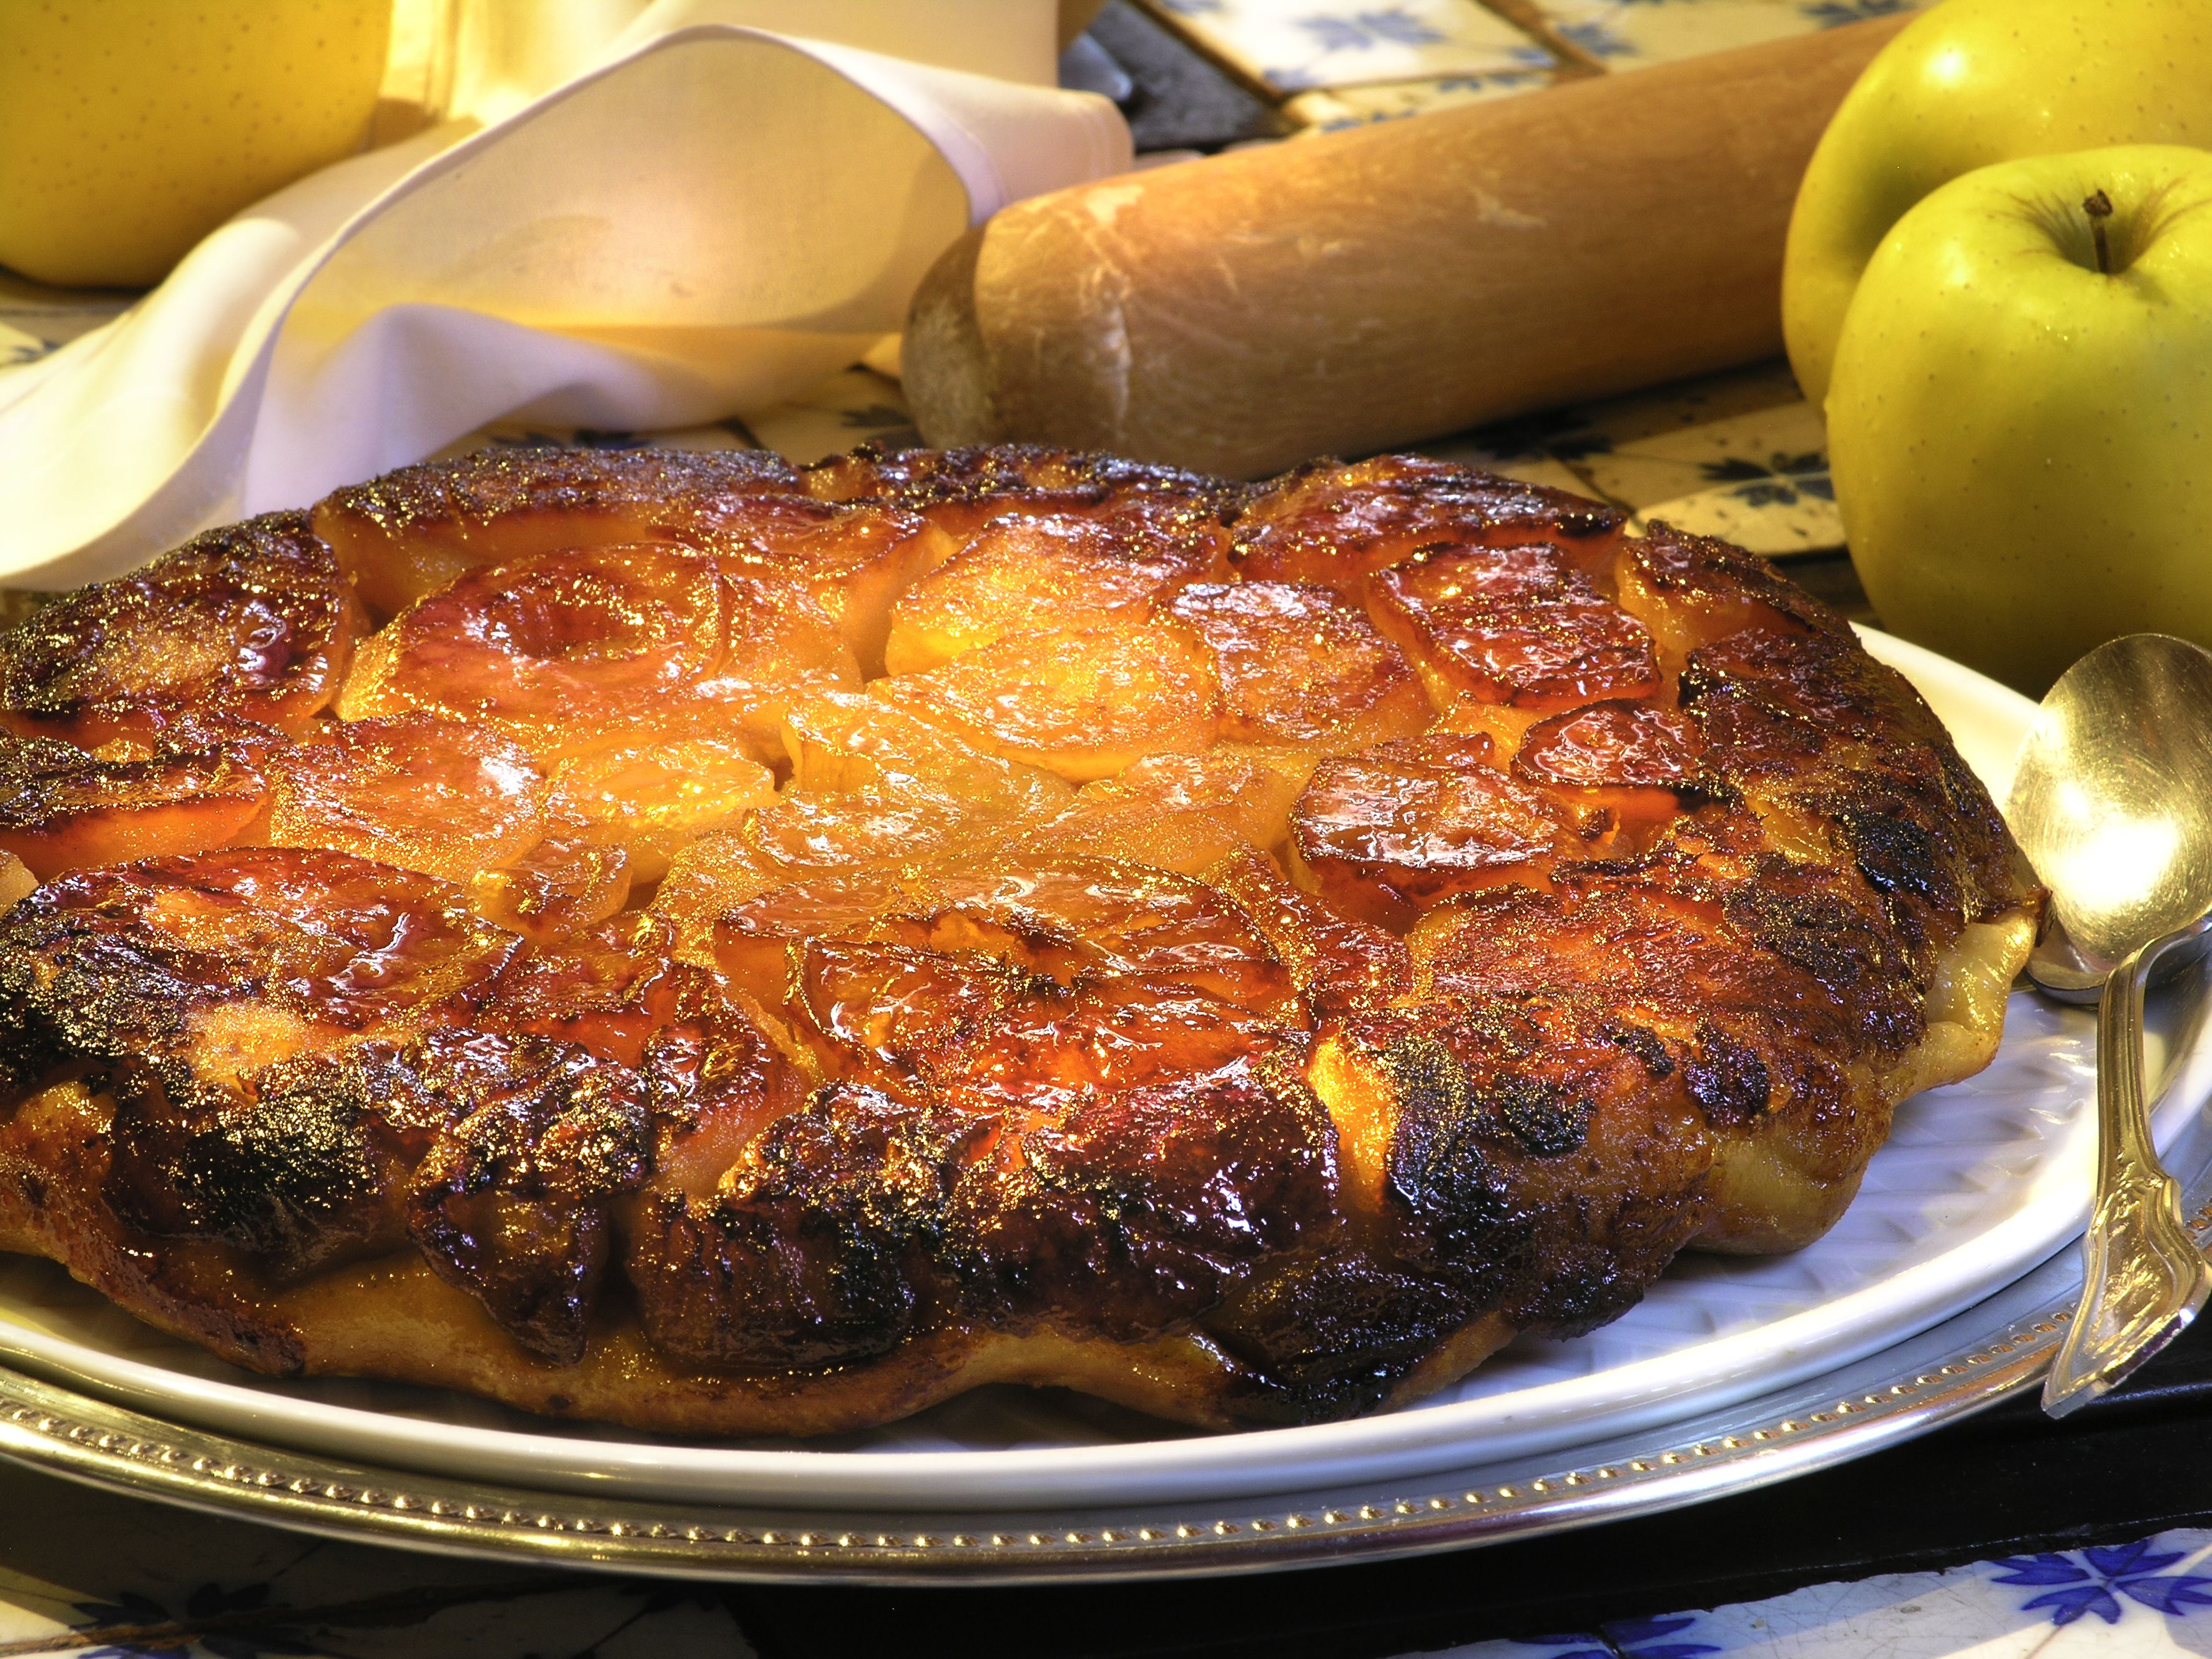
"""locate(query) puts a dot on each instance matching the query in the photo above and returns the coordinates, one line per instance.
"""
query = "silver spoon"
(2111, 801)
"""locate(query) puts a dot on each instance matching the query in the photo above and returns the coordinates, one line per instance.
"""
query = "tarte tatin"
(720, 947)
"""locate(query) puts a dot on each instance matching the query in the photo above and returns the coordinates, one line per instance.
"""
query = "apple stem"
(2099, 207)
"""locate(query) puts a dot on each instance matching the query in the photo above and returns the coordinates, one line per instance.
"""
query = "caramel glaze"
(1257, 949)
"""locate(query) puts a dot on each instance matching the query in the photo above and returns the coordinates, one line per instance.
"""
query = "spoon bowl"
(2111, 801)
(2111, 798)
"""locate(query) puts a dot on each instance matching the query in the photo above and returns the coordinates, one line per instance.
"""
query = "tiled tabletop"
(90, 1573)
(1331, 63)
(1739, 455)
(2152, 1596)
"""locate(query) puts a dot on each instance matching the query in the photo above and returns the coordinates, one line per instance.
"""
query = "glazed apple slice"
(978, 1032)
(411, 533)
(754, 940)
(759, 1275)
(802, 838)
(1027, 977)
(1067, 920)
(1339, 965)
(1182, 812)
(716, 1077)
(510, 1202)
(1384, 835)
(1299, 665)
(254, 622)
(228, 961)
(1025, 573)
(574, 649)
(900, 825)
(1101, 1037)
(1692, 590)
(607, 988)
(572, 645)
(654, 800)
(1085, 704)
(1630, 758)
(441, 796)
(1106, 918)
(839, 740)
(64, 808)
(554, 890)
(1579, 1119)
(1516, 625)
(1334, 524)
(854, 563)
(888, 1013)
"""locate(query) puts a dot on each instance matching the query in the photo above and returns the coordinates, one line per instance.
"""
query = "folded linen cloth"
(707, 219)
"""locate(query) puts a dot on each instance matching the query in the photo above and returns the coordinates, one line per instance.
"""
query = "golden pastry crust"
(1256, 949)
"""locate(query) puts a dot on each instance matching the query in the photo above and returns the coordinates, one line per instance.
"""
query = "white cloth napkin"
(707, 220)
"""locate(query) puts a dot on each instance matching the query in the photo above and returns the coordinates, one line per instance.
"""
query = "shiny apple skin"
(2021, 445)
(1969, 83)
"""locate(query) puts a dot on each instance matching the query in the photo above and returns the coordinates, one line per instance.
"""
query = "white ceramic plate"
(1978, 1183)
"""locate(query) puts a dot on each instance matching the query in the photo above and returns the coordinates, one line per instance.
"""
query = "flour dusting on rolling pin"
(1345, 293)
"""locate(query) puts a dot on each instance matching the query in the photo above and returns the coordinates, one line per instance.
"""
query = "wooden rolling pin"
(1345, 293)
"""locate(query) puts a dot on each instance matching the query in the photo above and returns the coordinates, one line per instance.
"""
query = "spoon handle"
(2143, 1277)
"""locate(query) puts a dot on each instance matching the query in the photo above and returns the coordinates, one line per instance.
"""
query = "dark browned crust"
(258, 612)
(472, 495)
(1635, 952)
(1001, 473)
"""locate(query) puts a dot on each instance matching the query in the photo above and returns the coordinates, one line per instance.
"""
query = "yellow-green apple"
(2019, 424)
(1967, 83)
(129, 129)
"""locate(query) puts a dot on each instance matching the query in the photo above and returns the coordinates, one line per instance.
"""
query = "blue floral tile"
(2098, 1583)
(2151, 1597)
(114, 1578)
(1530, 463)
(1759, 479)
(1295, 46)
(1738, 455)
(1338, 107)
(1668, 1636)
(1623, 35)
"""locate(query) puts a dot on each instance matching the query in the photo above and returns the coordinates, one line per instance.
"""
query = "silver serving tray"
(1968, 1363)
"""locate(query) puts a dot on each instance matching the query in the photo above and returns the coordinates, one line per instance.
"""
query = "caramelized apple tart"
(722, 947)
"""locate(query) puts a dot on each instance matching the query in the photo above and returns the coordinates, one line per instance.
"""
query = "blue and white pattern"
(1671, 1636)
(2101, 1581)
(2150, 1597)
(1363, 30)
(114, 1578)
(1330, 109)
(1429, 53)
(1778, 481)
(1626, 34)
(1298, 45)
(1834, 13)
